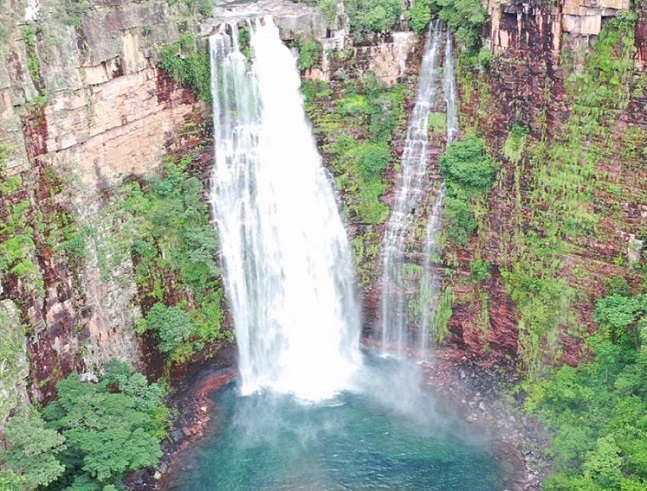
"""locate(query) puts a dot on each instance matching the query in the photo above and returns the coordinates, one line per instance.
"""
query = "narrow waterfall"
(286, 257)
(451, 94)
(409, 196)
(430, 282)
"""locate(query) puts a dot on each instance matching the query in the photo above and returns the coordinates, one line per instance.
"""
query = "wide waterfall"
(409, 196)
(430, 282)
(288, 274)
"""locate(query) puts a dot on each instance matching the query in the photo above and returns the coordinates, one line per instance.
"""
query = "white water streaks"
(429, 287)
(288, 274)
(409, 196)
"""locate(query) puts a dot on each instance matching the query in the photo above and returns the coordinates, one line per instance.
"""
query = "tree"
(173, 324)
(32, 452)
(111, 427)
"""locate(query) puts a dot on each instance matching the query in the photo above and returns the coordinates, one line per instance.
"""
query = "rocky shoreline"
(475, 390)
(469, 387)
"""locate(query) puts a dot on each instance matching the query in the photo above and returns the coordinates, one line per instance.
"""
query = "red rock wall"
(525, 86)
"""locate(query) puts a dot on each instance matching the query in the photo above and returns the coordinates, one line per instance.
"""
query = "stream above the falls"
(390, 435)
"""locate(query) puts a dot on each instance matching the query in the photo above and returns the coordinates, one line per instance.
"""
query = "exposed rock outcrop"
(82, 106)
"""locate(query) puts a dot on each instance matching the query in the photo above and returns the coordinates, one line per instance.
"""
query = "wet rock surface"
(477, 390)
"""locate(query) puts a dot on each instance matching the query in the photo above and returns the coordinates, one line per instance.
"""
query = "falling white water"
(409, 196)
(286, 257)
(430, 282)
(451, 95)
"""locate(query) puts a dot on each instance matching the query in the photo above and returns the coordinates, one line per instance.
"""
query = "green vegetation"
(196, 7)
(599, 410)
(468, 172)
(438, 122)
(354, 122)
(163, 223)
(310, 51)
(90, 436)
(16, 234)
(420, 15)
(187, 62)
(13, 353)
(358, 133)
(443, 313)
(465, 18)
(480, 270)
(172, 324)
(72, 12)
(555, 193)
(32, 451)
(372, 16)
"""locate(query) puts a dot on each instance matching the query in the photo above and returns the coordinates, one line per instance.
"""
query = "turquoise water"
(389, 437)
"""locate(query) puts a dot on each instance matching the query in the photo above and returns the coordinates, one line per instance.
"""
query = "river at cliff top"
(390, 435)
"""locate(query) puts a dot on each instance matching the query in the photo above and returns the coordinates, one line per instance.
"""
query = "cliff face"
(82, 106)
(563, 109)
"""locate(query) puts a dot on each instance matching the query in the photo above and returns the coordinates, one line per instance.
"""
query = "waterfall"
(285, 254)
(430, 282)
(451, 94)
(409, 196)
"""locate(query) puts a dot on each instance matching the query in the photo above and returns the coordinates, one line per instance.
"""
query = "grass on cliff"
(354, 122)
(552, 191)
(187, 62)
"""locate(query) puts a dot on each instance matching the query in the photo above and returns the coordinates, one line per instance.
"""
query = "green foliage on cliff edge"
(465, 18)
(188, 64)
(372, 16)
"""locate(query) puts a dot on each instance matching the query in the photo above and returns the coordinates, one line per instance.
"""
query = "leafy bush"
(468, 172)
(172, 324)
(32, 452)
(480, 270)
(189, 65)
(598, 409)
(371, 16)
(465, 18)
(310, 51)
(466, 168)
(420, 15)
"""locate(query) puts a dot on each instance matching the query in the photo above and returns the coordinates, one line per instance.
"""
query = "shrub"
(189, 65)
(172, 324)
(110, 427)
(468, 172)
(466, 168)
(310, 52)
(371, 16)
(480, 270)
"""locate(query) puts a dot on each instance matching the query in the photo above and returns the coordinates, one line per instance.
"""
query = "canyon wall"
(82, 106)
(568, 207)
